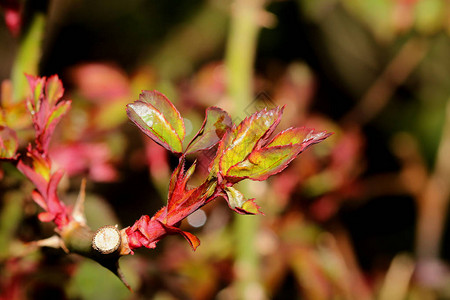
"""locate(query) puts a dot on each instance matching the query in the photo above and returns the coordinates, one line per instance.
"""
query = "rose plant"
(242, 151)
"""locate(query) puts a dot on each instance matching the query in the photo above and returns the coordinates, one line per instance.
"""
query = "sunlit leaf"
(162, 104)
(239, 203)
(159, 119)
(303, 135)
(291, 136)
(264, 162)
(216, 123)
(249, 134)
(276, 156)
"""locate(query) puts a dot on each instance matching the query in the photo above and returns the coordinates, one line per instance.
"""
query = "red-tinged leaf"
(216, 123)
(187, 203)
(54, 205)
(8, 143)
(145, 232)
(214, 166)
(37, 92)
(179, 191)
(194, 242)
(37, 197)
(183, 201)
(46, 194)
(249, 208)
(52, 120)
(298, 135)
(162, 104)
(154, 124)
(46, 217)
(175, 177)
(276, 156)
(53, 90)
(263, 163)
(39, 164)
(250, 133)
(37, 178)
(239, 203)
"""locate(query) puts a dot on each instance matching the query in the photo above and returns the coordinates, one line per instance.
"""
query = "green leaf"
(249, 135)
(161, 103)
(264, 162)
(239, 203)
(8, 143)
(216, 123)
(158, 119)
(291, 136)
(278, 153)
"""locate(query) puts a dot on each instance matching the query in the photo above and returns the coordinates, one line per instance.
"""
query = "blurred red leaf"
(92, 159)
(37, 169)
(45, 110)
(101, 82)
(13, 18)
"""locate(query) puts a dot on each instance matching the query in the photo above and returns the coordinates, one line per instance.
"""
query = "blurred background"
(362, 215)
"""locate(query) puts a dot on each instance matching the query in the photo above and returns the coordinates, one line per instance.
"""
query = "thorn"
(78, 210)
(113, 266)
(53, 242)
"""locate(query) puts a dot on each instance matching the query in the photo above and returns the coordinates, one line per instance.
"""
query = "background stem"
(239, 61)
(28, 56)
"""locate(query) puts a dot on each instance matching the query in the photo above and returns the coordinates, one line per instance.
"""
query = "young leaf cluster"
(243, 151)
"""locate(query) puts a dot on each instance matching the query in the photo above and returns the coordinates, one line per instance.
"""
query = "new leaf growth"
(243, 151)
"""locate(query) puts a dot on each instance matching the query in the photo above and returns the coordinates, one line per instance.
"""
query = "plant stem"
(396, 72)
(433, 203)
(199, 37)
(239, 60)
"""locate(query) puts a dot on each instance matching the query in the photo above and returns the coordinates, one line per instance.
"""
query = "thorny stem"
(105, 246)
